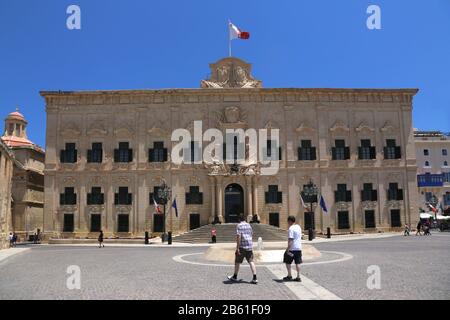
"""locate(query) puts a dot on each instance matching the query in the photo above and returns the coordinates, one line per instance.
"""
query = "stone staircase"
(226, 232)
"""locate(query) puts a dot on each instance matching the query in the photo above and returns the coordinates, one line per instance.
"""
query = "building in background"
(433, 169)
(108, 152)
(6, 173)
(28, 177)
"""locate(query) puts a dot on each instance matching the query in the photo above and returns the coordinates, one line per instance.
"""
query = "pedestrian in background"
(213, 235)
(14, 239)
(11, 240)
(294, 249)
(244, 248)
(100, 239)
(406, 232)
(419, 227)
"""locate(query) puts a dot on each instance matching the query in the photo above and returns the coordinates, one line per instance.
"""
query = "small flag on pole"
(323, 205)
(303, 202)
(432, 208)
(158, 210)
(174, 205)
(236, 33)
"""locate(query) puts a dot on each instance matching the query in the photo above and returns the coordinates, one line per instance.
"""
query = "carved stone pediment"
(388, 127)
(97, 132)
(232, 118)
(339, 126)
(70, 130)
(158, 132)
(122, 180)
(342, 205)
(95, 209)
(271, 124)
(369, 204)
(124, 132)
(123, 209)
(364, 127)
(69, 180)
(305, 128)
(366, 163)
(395, 204)
(230, 73)
(68, 209)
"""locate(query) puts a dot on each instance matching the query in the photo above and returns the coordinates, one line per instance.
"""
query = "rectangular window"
(340, 151)
(96, 222)
(306, 151)
(69, 154)
(392, 151)
(96, 197)
(366, 151)
(68, 224)
(395, 218)
(273, 195)
(394, 193)
(274, 219)
(158, 153)
(342, 194)
(69, 197)
(343, 220)
(444, 152)
(369, 217)
(123, 197)
(368, 194)
(123, 223)
(95, 155)
(426, 152)
(124, 153)
(194, 196)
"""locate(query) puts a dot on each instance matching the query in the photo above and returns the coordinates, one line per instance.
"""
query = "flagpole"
(229, 39)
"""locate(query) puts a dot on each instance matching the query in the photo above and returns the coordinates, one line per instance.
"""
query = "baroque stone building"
(108, 152)
(6, 173)
(28, 177)
(433, 169)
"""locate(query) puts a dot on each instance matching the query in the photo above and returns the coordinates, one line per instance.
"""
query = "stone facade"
(231, 98)
(6, 173)
(28, 177)
(433, 169)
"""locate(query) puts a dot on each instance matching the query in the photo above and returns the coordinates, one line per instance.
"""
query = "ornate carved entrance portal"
(234, 202)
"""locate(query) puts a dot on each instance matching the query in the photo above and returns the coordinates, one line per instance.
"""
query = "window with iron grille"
(69, 154)
(340, 151)
(194, 196)
(124, 153)
(342, 194)
(69, 197)
(366, 151)
(392, 151)
(394, 193)
(368, 194)
(158, 153)
(123, 197)
(273, 195)
(96, 197)
(95, 155)
(306, 151)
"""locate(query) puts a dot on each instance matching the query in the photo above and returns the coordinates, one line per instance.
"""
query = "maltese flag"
(236, 33)
(158, 210)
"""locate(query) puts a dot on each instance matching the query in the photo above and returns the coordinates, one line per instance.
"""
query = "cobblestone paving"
(411, 268)
(127, 273)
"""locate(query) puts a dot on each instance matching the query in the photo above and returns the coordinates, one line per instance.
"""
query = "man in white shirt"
(294, 249)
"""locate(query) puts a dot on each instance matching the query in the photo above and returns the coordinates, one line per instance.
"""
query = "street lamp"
(164, 194)
(309, 195)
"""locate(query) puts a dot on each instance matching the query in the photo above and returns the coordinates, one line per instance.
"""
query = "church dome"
(16, 115)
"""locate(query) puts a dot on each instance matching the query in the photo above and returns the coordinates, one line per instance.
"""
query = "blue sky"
(168, 44)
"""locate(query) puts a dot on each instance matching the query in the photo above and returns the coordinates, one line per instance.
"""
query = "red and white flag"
(158, 210)
(432, 208)
(303, 202)
(236, 33)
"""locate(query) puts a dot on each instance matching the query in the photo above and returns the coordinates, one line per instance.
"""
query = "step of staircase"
(227, 233)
